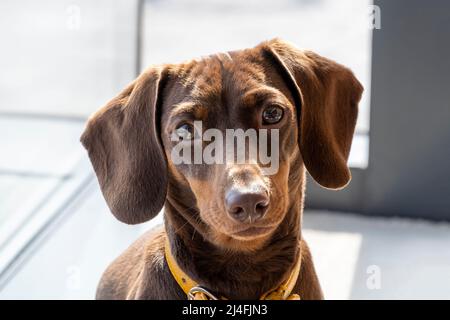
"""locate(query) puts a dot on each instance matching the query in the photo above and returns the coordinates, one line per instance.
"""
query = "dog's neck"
(233, 274)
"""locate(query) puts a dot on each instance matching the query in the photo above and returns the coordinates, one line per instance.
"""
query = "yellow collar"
(196, 292)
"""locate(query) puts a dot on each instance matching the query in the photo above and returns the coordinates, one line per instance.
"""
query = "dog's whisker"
(179, 229)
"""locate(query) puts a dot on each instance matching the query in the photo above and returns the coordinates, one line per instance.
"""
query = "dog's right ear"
(124, 146)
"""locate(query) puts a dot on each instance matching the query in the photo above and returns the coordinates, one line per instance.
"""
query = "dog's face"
(240, 203)
(296, 102)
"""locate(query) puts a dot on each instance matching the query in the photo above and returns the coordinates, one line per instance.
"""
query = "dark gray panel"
(350, 198)
(409, 162)
(409, 157)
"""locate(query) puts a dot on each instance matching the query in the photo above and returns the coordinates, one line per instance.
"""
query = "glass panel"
(58, 57)
(60, 61)
(178, 30)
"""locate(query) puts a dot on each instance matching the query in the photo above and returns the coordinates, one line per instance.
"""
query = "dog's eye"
(272, 114)
(185, 131)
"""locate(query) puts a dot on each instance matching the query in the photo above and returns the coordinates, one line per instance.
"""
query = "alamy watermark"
(373, 281)
(73, 279)
(237, 146)
(73, 21)
(374, 19)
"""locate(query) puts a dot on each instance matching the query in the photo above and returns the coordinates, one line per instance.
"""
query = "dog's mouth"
(229, 233)
(252, 232)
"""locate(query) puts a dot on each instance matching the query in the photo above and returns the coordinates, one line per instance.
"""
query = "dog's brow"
(259, 94)
(187, 108)
(183, 107)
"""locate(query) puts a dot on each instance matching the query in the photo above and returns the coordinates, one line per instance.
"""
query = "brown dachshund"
(230, 228)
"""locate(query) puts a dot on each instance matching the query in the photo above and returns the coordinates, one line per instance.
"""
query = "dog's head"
(146, 145)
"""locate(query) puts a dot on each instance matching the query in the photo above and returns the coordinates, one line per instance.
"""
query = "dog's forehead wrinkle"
(205, 80)
(219, 82)
(226, 87)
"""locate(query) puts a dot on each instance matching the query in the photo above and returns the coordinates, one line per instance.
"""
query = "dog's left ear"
(123, 142)
(327, 96)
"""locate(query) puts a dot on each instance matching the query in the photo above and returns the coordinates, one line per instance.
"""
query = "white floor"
(379, 258)
(356, 257)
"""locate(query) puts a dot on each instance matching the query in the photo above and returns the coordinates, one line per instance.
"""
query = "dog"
(229, 229)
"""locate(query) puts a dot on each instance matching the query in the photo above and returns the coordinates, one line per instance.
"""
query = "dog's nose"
(243, 205)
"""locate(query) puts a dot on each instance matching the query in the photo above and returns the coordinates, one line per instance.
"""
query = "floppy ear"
(327, 96)
(123, 143)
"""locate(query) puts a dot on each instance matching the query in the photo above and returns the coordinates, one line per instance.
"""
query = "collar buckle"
(199, 289)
